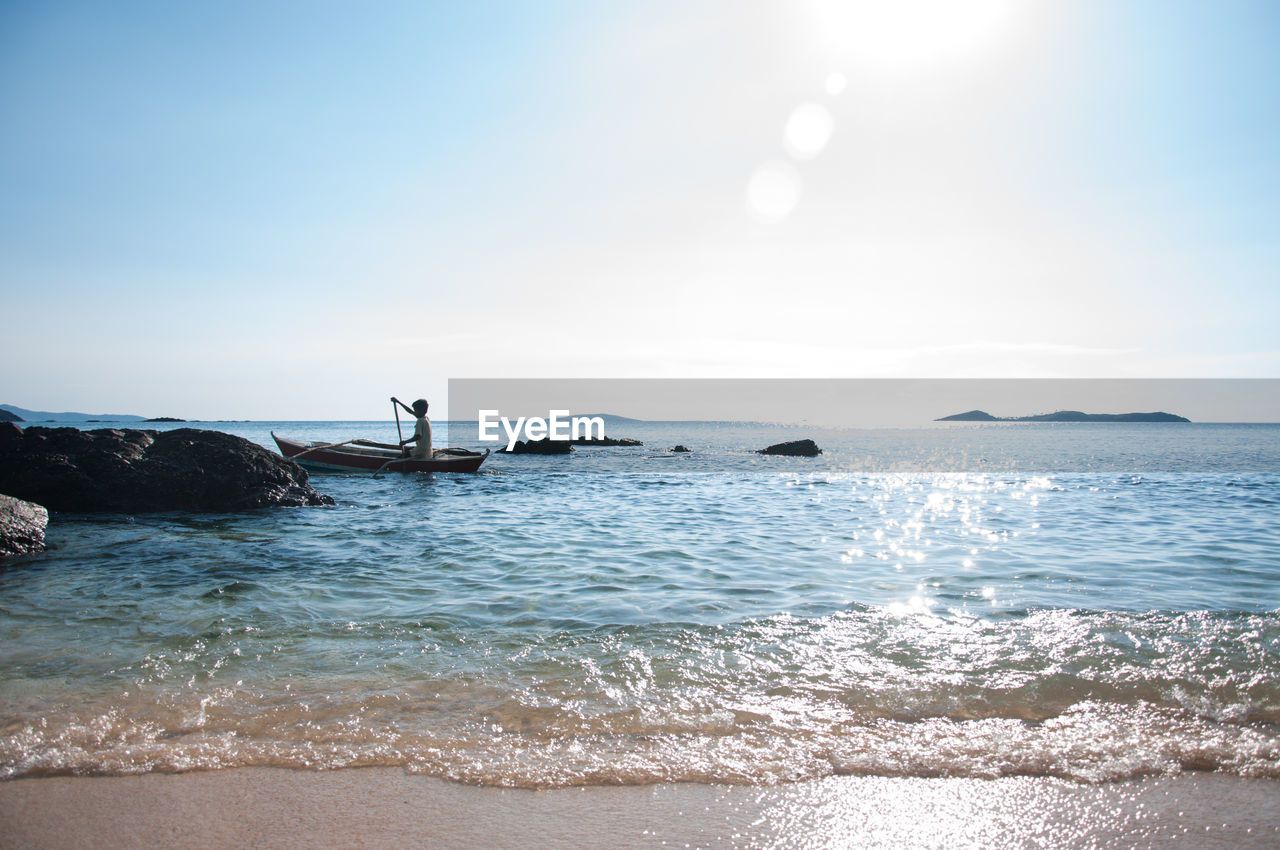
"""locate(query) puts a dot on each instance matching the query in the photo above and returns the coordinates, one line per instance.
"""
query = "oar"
(378, 471)
(326, 446)
(396, 410)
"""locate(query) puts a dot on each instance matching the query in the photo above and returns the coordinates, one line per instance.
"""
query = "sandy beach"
(386, 807)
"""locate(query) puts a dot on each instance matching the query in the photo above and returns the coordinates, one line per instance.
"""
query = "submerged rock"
(797, 448)
(135, 471)
(539, 447)
(21, 527)
(682, 449)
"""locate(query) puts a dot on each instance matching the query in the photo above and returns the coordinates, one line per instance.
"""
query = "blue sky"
(248, 210)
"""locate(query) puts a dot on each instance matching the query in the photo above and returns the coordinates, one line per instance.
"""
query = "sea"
(1087, 601)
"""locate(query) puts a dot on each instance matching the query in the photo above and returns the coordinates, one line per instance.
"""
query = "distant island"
(1065, 416)
(25, 415)
(610, 417)
(13, 413)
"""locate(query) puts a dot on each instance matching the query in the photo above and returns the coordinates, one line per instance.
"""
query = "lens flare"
(808, 130)
(773, 191)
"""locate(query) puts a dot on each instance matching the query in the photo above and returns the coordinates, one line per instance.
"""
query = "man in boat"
(421, 431)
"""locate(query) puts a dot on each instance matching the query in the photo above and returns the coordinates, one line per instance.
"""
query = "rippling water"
(1092, 602)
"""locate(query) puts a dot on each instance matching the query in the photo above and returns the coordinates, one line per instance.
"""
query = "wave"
(1087, 696)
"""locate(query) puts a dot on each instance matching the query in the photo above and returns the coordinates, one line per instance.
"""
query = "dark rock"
(21, 527)
(133, 471)
(681, 449)
(606, 441)
(9, 433)
(540, 447)
(796, 448)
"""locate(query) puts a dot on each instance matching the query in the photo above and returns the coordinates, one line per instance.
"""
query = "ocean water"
(1094, 602)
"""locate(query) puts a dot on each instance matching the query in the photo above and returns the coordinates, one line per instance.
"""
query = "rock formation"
(797, 448)
(605, 441)
(539, 447)
(21, 527)
(135, 471)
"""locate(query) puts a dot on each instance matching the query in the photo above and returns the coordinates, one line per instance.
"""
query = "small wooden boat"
(368, 456)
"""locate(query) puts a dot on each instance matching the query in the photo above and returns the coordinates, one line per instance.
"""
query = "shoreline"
(387, 807)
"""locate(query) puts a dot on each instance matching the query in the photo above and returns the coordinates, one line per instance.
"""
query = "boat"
(368, 456)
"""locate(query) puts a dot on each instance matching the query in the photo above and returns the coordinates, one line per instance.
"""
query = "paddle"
(396, 410)
(325, 446)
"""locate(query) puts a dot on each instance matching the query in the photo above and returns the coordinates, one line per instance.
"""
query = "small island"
(165, 419)
(1065, 416)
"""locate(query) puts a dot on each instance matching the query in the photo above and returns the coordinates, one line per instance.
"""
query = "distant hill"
(609, 417)
(969, 416)
(7, 416)
(47, 416)
(1065, 416)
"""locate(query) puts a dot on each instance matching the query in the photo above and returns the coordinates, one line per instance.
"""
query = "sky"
(250, 210)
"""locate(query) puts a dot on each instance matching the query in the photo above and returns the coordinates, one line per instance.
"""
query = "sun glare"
(911, 34)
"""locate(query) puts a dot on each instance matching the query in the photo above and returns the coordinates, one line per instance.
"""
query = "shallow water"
(1091, 602)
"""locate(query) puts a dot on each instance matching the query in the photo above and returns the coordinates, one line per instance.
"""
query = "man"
(421, 432)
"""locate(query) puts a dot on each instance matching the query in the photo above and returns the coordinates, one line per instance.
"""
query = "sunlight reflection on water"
(727, 618)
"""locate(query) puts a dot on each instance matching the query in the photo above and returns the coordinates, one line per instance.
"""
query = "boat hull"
(344, 459)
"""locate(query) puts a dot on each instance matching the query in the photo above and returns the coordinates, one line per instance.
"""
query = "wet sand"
(385, 807)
